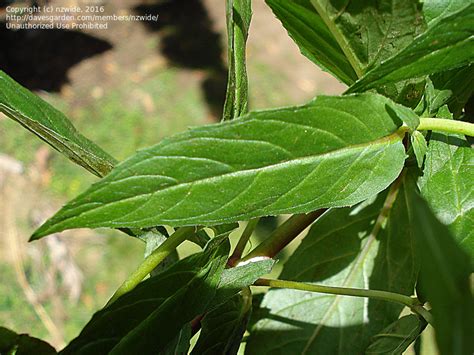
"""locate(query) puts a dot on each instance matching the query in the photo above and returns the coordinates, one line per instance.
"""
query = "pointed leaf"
(313, 37)
(445, 272)
(420, 147)
(448, 44)
(51, 126)
(366, 246)
(396, 338)
(239, 14)
(334, 151)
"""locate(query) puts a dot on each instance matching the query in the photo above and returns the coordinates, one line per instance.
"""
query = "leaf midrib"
(341, 40)
(381, 141)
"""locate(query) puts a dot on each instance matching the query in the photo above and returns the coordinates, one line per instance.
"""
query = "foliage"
(383, 174)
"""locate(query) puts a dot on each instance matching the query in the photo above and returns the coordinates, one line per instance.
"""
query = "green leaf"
(448, 44)
(447, 185)
(396, 338)
(313, 37)
(181, 343)
(153, 239)
(420, 147)
(366, 246)
(149, 318)
(452, 88)
(332, 152)
(52, 126)
(235, 279)
(444, 278)
(369, 32)
(239, 15)
(22, 344)
(434, 10)
(223, 327)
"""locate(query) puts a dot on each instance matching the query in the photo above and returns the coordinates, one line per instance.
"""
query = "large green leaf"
(369, 32)
(447, 185)
(148, 319)
(396, 338)
(448, 44)
(22, 344)
(239, 14)
(51, 126)
(351, 247)
(223, 327)
(313, 37)
(332, 152)
(444, 278)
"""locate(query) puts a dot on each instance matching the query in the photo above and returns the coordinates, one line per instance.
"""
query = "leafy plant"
(383, 176)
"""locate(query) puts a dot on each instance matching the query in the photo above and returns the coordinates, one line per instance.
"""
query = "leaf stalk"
(445, 125)
(152, 261)
(408, 301)
(284, 234)
(241, 244)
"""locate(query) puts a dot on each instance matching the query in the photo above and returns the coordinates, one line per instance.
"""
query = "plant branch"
(244, 238)
(408, 301)
(152, 261)
(445, 125)
(284, 234)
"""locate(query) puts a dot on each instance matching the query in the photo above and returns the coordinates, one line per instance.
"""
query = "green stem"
(445, 125)
(152, 261)
(244, 238)
(284, 234)
(408, 301)
(344, 291)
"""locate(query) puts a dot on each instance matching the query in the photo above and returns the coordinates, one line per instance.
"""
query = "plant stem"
(445, 125)
(284, 234)
(244, 238)
(152, 261)
(408, 301)
(345, 291)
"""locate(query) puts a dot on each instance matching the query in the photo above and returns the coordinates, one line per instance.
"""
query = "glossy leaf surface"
(332, 152)
(448, 44)
(52, 126)
(350, 247)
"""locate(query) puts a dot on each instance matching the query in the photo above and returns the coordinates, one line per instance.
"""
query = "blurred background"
(125, 88)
